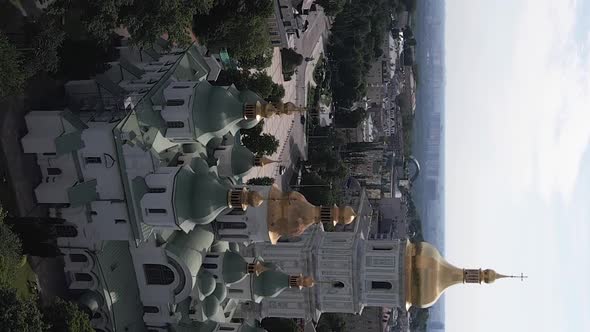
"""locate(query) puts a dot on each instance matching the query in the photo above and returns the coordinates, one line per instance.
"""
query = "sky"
(518, 162)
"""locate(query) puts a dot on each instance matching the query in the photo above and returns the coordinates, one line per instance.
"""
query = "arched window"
(232, 225)
(82, 277)
(148, 309)
(209, 266)
(338, 284)
(380, 285)
(78, 258)
(158, 274)
(175, 102)
(175, 124)
(66, 231)
(53, 171)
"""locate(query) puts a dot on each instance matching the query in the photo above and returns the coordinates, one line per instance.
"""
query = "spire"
(258, 110)
(262, 160)
(488, 276)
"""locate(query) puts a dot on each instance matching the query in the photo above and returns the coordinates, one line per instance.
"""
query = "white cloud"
(551, 94)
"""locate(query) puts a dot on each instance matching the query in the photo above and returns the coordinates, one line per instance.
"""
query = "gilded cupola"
(290, 214)
(428, 275)
(260, 110)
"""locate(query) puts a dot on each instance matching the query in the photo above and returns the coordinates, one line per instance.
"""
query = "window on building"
(82, 277)
(235, 291)
(53, 171)
(148, 309)
(156, 190)
(380, 285)
(232, 225)
(175, 124)
(384, 248)
(158, 274)
(338, 284)
(287, 23)
(93, 160)
(209, 266)
(157, 211)
(78, 258)
(180, 87)
(120, 221)
(66, 231)
(175, 102)
(225, 328)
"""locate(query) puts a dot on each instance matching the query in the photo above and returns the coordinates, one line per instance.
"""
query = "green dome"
(242, 160)
(270, 283)
(188, 247)
(206, 283)
(234, 247)
(234, 267)
(220, 291)
(215, 111)
(220, 246)
(199, 196)
(211, 306)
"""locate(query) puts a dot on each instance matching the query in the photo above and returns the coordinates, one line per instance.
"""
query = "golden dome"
(343, 215)
(254, 199)
(242, 198)
(428, 275)
(290, 214)
(305, 281)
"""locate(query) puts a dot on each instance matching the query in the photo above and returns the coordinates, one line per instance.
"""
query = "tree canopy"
(259, 143)
(10, 252)
(240, 26)
(274, 324)
(357, 35)
(65, 316)
(145, 20)
(258, 82)
(12, 78)
(262, 181)
(332, 7)
(19, 315)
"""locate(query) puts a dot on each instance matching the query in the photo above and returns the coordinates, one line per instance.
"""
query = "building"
(287, 22)
(144, 169)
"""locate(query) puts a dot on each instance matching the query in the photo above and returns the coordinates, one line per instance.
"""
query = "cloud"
(551, 94)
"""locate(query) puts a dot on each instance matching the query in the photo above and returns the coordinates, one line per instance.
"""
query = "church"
(145, 166)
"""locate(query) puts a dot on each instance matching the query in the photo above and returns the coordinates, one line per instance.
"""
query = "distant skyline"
(517, 169)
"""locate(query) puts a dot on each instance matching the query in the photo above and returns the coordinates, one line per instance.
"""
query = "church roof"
(199, 196)
(188, 248)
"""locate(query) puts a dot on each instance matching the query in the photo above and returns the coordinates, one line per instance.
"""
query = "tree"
(239, 26)
(263, 145)
(146, 20)
(12, 78)
(274, 324)
(65, 316)
(37, 235)
(10, 252)
(83, 59)
(332, 7)
(290, 59)
(43, 38)
(18, 315)
(350, 119)
(331, 322)
(263, 181)
(259, 83)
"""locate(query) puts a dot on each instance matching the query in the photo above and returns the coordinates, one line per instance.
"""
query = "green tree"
(332, 7)
(65, 316)
(274, 324)
(146, 20)
(263, 145)
(290, 59)
(18, 315)
(10, 252)
(262, 181)
(350, 119)
(259, 83)
(83, 59)
(12, 78)
(239, 26)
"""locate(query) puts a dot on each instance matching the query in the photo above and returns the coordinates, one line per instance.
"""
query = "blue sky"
(518, 162)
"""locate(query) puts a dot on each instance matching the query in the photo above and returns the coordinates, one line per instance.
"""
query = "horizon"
(518, 162)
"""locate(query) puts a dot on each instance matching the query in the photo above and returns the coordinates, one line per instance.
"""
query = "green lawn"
(24, 274)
